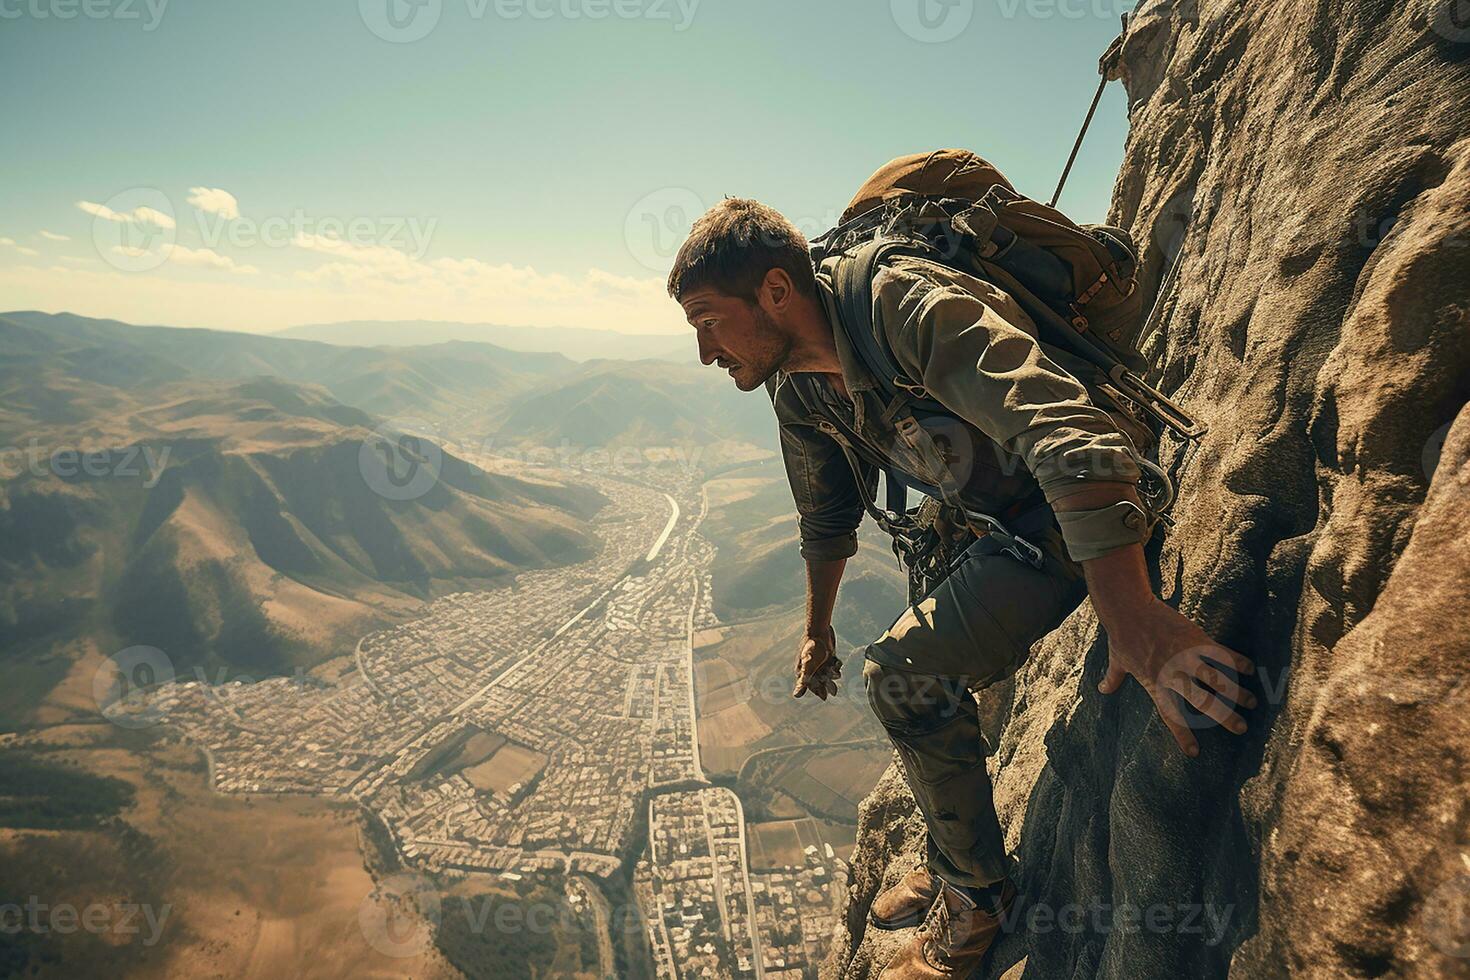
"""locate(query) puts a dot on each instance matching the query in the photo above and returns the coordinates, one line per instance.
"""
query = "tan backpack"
(951, 206)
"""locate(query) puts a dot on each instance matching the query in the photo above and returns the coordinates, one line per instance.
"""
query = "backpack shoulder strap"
(852, 287)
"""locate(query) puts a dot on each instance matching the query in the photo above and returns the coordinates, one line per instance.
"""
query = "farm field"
(511, 764)
(780, 843)
(252, 886)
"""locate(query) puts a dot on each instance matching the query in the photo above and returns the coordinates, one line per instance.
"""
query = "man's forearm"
(1118, 585)
(1117, 582)
(822, 580)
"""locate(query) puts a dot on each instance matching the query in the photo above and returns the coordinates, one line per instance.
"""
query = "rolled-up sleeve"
(975, 350)
(828, 505)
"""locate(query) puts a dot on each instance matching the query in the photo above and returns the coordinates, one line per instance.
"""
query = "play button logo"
(401, 21)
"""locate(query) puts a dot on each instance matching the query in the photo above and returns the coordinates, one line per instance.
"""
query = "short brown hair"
(734, 244)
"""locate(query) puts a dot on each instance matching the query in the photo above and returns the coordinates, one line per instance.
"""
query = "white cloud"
(140, 215)
(10, 243)
(378, 260)
(477, 293)
(353, 279)
(475, 290)
(192, 258)
(148, 216)
(101, 211)
(213, 200)
(204, 258)
(53, 236)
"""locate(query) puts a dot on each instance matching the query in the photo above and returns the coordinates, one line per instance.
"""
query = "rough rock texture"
(1310, 164)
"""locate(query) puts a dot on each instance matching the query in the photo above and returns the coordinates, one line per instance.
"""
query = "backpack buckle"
(1024, 551)
(916, 390)
(978, 223)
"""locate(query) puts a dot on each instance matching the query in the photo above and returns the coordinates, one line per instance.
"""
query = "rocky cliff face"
(1309, 163)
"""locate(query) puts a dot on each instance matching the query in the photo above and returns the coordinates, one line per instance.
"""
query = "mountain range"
(577, 343)
(207, 493)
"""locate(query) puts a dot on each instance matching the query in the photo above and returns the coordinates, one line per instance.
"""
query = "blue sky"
(256, 165)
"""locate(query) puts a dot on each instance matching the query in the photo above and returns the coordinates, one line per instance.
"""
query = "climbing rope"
(1105, 66)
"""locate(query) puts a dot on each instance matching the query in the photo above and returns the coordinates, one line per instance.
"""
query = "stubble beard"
(771, 350)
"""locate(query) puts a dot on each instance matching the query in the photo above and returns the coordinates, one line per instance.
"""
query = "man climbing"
(1028, 442)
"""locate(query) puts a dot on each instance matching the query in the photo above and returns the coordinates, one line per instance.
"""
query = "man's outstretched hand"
(1173, 658)
(817, 666)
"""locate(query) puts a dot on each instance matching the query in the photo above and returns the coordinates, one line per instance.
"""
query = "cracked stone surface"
(1309, 163)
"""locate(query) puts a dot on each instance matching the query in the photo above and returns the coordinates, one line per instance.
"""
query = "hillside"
(758, 569)
(189, 882)
(467, 392)
(248, 526)
(640, 403)
(743, 669)
(1309, 164)
(577, 343)
(432, 382)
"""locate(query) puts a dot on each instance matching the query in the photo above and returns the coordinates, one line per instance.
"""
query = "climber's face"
(740, 336)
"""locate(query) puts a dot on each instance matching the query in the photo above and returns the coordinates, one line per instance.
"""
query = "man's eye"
(707, 324)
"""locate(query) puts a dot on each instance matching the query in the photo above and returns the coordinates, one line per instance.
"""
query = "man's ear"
(777, 289)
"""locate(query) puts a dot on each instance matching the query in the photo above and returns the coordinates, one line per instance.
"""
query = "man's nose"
(707, 351)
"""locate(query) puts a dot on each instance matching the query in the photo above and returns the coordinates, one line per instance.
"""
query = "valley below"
(591, 767)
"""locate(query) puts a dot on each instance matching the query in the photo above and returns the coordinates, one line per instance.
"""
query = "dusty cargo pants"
(975, 629)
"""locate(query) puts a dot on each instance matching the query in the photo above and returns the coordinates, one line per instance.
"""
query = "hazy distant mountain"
(434, 382)
(578, 343)
(643, 403)
(472, 391)
(758, 560)
(228, 522)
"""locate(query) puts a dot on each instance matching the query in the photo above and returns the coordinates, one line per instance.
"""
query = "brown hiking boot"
(953, 941)
(905, 903)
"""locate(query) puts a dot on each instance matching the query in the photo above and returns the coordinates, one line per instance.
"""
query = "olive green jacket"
(1029, 428)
